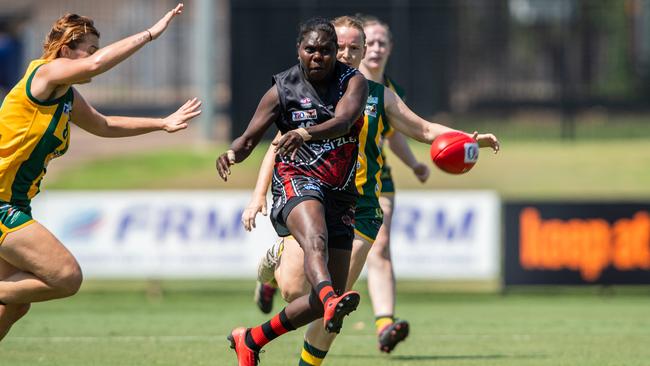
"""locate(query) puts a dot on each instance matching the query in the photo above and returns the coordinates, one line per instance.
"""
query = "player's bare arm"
(67, 71)
(267, 112)
(258, 200)
(399, 146)
(89, 119)
(403, 119)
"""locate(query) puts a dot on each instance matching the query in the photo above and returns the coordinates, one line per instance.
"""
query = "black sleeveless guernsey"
(322, 169)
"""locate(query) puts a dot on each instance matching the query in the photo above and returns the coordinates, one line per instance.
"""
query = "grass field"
(185, 323)
(136, 323)
(605, 169)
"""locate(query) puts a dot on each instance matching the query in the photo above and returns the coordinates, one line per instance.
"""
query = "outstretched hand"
(256, 206)
(487, 140)
(179, 119)
(157, 29)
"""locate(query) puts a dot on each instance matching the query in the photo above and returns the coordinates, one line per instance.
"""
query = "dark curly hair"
(317, 24)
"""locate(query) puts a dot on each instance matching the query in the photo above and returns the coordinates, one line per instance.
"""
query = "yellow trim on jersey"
(364, 237)
(380, 157)
(25, 123)
(362, 160)
(5, 230)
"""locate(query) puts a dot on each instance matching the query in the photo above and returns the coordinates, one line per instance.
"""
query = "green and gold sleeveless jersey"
(370, 160)
(32, 132)
(390, 84)
(388, 186)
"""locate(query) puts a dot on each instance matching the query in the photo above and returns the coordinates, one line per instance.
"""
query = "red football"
(454, 152)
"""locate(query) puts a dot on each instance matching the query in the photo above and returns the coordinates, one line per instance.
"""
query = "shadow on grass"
(417, 358)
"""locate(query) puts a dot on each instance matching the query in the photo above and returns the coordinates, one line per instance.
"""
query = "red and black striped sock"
(259, 336)
(325, 291)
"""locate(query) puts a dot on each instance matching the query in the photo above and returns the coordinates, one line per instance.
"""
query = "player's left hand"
(288, 144)
(421, 172)
(157, 29)
(179, 120)
(487, 140)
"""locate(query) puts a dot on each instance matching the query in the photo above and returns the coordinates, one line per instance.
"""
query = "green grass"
(607, 169)
(185, 323)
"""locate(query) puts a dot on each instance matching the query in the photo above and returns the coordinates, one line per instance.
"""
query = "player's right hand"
(487, 140)
(256, 206)
(288, 144)
(157, 29)
(224, 161)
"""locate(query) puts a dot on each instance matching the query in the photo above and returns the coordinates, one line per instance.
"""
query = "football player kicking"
(286, 270)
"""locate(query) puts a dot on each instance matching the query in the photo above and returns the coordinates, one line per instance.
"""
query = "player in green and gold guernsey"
(34, 129)
(381, 277)
(382, 105)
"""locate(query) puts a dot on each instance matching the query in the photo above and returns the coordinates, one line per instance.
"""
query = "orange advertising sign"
(586, 245)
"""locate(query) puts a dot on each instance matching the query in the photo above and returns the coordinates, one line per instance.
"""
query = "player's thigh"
(35, 249)
(290, 272)
(360, 249)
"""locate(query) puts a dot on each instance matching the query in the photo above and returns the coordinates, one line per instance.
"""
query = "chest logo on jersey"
(371, 109)
(305, 103)
(67, 108)
(304, 115)
(373, 100)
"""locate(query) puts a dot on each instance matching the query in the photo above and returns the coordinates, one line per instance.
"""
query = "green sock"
(311, 356)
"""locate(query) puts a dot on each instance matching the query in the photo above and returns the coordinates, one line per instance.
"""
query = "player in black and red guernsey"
(317, 105)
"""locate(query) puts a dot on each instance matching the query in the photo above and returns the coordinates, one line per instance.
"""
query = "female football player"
(317, 105)
(382, 105)
(34, 129)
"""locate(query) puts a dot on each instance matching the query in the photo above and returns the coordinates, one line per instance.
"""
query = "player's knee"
(293, 289)
(314, 244)
(20, 310)
(378, 255)
(290, 293)
(68, 279)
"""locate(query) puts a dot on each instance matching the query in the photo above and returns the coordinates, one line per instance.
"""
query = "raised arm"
(89, 119)
(258, 200)
(403, 119)
(66, 71)
(267, 112)
(348, 110)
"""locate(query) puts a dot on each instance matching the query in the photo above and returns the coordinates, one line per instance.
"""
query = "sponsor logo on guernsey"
(67, 108)
(371, 110)
(373, 100)
(303, 115)
(305, 103)
(329, 145)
